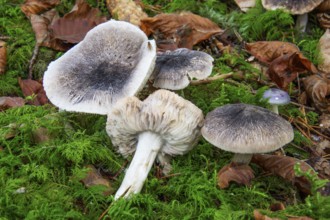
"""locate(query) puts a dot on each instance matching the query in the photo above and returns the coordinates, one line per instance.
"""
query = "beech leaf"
(73, 26)
(267, 51)
(31, 7)
(283, 166)
(286, 68)
(3, 57)
(324, 47)
(239, 173)
(317, 88)
(179, 30)
(35, 90)
(10, 102)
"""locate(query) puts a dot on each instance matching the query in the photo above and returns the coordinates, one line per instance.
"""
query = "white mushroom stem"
(275, 108)
(301, 22)
(149, 144)
(242, 158)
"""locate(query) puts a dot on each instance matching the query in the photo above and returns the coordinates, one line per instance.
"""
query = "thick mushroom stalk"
(163, 124)
(149, 144)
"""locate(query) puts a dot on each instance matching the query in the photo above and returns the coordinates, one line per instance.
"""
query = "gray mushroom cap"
(114, 60)
(246, 129)
(174, 68)
(276, 96)
(295, 7)
(176, 120)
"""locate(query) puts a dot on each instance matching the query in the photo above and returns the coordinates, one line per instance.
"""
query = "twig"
(105, 212)
(4, 38)
(210, 79)
(170, 175)
(120, 170)
(33, 59)
(300, 105)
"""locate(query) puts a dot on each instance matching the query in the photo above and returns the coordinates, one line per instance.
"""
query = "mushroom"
(163, 124)
(173, 68)
(245, 130)
(245, 5)
(276, 97)
(300, 8)
(114, 60)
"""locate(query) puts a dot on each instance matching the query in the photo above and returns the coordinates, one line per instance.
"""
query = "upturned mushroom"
(246, 130)
(276, 97)
(163, 124)
(174, 68)
(114, 61)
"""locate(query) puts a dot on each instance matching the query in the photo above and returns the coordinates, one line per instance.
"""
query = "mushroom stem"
(242, 158)
(301, 22)
(275, 109)
(147, 149)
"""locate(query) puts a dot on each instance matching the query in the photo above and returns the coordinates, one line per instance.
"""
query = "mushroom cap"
(173, 68)
(114, 60)
(295, 7)
(176, 120)
(246, 129)
(276, 96)
(245, 5)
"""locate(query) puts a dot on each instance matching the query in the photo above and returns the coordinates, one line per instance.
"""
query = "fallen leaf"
(31, 7)
(182, 30)
(10, 102)
(239, 173)
(73, 26)
(324, 47)
(286, 68)
(324, 19)
(126, 10)
(283, 166)
(94, 178)
(277, 206)
(267, 51)
(3, 57)
(258, 216)
(317, 88)
(324, 6)
(41, 135)
(33, 89)
(324, 122)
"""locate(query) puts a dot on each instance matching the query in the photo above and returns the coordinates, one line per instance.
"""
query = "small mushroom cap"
(246, 129)
(276, 96)
(245, 5)
(176, 120)
(296, 7)
(174, 67)
(114, 60)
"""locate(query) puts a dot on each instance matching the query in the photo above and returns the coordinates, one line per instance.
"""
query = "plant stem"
(147, 149)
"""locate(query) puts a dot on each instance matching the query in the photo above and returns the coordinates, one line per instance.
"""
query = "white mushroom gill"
(149, 145)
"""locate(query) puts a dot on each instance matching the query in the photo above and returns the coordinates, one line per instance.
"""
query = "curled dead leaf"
(324, 47)
(181, 30)
(283, 166)
(31, 7)
(10, 102)
(3, 57)
(267, 51)
(94, 178)
(317, 88)
(34, 90)
(239, 173)
(73, 26)
(286, 68)
(324, 19)
(126, 10)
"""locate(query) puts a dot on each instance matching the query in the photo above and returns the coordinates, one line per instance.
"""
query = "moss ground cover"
(42, 179)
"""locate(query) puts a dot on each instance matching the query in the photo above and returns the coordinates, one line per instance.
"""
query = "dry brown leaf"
(267, 51)
(277, 206)
(73, 26)
(182, 30)
(324, 47)
(126, 10)
(239, 173)
(258, 216)
(35, 90)
(286, 68)
(324, 6)
(3, 57)
(283, 166)
(10, 102)
(94, 178)
(41, 135)
(324, 19)
(31, 7)
(317, 88)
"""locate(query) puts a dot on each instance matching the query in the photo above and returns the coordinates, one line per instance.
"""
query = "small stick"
(33, 59)
(211, 79)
